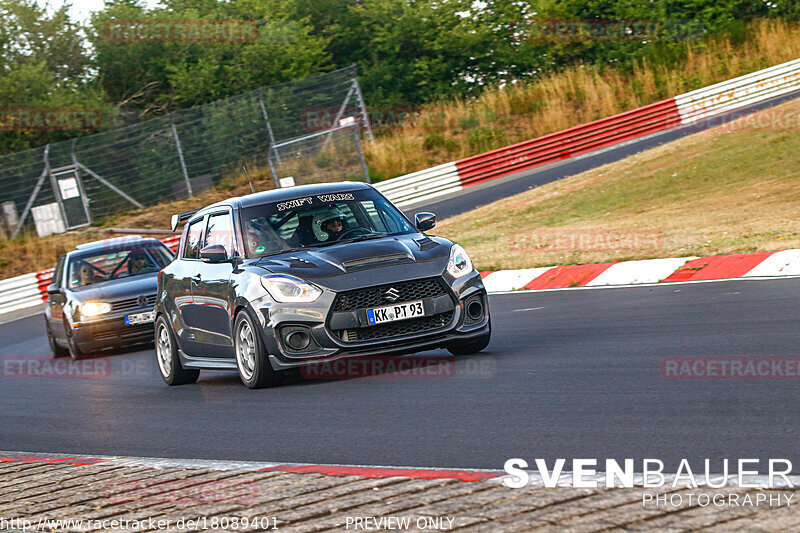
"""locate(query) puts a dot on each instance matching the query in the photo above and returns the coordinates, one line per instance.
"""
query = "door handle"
(197, 277)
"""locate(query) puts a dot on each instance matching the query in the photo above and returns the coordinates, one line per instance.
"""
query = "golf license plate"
(394, 312)
(140, 318)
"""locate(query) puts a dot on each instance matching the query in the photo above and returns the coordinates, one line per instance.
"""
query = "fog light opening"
(475, 310)
(298, 340)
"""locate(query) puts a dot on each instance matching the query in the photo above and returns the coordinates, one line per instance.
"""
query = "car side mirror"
(216, 253)
(53, 289)
(424, 221)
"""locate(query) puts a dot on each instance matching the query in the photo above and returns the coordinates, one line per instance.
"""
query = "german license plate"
(391, 313)
(140, 318)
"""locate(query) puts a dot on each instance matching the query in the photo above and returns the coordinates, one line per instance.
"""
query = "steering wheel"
(348, 232)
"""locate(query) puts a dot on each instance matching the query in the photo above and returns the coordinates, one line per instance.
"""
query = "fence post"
(35, 193)
(363, 107)
(272, 170)
(266, 119)
(361, 155)
(180, 156)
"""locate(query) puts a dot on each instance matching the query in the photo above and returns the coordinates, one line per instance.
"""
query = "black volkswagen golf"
(275, 280)
(102, 295)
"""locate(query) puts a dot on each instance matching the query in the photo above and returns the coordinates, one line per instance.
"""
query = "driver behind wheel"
(86, 274)
(329, 226)
(138, 263)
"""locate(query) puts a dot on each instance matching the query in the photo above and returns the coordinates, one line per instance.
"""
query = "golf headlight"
(288, 289)
(94, 308)
(459, 264)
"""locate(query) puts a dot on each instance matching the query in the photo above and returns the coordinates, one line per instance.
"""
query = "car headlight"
(459, 263)
(289, 289)
(94, 308)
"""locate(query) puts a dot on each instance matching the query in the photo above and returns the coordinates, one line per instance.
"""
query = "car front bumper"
(338, 334)
(111, 331)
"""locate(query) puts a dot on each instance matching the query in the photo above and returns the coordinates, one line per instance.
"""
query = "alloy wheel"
(246, 350)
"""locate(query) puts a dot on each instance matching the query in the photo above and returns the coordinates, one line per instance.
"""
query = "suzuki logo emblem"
(391, 295)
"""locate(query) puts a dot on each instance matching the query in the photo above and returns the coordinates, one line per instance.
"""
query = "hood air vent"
(426, 243)
(365, 261)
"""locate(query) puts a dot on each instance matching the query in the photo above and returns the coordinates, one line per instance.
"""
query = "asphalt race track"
(573, 374)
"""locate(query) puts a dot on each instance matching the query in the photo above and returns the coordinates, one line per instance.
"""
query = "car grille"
(374, 296)
(124, 333)
(132, 303)
(396, 329)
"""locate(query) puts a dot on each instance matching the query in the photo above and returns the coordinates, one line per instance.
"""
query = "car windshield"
(320, 220)
(94, 267)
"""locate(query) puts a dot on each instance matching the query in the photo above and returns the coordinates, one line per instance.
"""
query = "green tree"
(155, 77)
(43, 64)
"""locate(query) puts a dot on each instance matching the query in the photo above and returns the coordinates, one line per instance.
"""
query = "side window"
(392, 224)
(377, 220)
(191, 249)
(59, 272)
(220, 231)
(289, 227)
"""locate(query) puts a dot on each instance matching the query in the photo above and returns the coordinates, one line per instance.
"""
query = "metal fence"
(180, 154)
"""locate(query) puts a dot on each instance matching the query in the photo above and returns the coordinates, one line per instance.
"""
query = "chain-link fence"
(181, 154)
(325, 156)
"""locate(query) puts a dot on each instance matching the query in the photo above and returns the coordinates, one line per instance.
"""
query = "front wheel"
(252, 359)
(75, 351)
(169, 364)
(58, 351)
(470, 346)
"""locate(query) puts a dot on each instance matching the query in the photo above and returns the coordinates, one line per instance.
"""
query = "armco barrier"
(422, 185)
(739, 92)
(569, 143)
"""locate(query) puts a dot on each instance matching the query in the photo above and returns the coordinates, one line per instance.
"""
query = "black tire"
(252, 359)
(471, 346)
(169, 364)
(75, 351)
(58, 351)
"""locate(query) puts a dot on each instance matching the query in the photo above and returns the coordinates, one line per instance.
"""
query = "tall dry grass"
(500, 116)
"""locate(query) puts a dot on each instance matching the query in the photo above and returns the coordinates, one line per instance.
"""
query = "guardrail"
(569, 143)
(425, 184)
(739, 92)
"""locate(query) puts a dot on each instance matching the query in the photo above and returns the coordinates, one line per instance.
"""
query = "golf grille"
(132, 303)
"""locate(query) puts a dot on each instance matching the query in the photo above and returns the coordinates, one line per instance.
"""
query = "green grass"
(733, 189)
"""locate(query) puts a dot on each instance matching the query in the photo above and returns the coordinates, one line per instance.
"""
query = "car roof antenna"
(244, 167)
